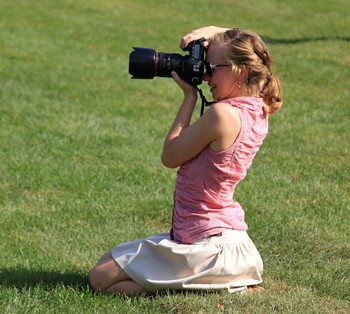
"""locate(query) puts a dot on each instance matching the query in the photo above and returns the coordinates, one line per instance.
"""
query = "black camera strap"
(205, 102)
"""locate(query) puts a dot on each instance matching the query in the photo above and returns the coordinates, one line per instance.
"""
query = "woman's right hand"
(188, 89)
(207, 32)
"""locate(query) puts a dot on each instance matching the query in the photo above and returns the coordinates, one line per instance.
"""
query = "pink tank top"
(203, 200)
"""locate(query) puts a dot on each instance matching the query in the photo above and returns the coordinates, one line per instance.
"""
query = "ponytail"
(271, 93)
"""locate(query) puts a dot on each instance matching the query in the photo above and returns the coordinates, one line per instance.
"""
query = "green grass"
(80, 143)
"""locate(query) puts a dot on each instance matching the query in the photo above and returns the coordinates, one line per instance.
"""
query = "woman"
(208, 246)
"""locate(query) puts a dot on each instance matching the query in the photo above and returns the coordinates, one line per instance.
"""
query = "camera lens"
(168, 62)
(142, 63)
(146, 63)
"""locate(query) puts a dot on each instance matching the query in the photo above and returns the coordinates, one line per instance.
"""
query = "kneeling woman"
(208, 246)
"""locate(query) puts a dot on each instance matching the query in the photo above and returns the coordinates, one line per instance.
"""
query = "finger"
(189, 38)
(174, 75)
(184, 42)
(176, 78)
(205, 43)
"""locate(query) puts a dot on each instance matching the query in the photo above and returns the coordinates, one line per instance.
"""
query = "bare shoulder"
(227, 124)
(222, 112)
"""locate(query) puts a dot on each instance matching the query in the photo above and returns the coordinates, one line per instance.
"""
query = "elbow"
(169, 162)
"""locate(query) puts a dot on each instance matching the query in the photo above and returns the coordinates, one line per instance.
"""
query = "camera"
(146, 63)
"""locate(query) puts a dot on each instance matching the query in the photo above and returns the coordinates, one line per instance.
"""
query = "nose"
(206, 76)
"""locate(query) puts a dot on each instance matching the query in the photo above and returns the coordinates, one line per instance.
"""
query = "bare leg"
(107, 277)
(127, 288)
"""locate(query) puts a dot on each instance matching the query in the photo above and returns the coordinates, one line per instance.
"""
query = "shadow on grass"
(22, 278)
(291, 41)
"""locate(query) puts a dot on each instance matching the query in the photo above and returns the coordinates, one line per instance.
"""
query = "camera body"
(146, 63)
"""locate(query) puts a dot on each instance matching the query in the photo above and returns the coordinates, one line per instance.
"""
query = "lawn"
(80, 166)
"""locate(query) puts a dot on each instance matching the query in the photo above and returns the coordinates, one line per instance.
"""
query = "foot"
(255, 289)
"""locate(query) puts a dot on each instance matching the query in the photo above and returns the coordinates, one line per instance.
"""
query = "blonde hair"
(244, 47)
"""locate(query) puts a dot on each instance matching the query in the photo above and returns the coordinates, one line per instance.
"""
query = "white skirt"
(229, 260)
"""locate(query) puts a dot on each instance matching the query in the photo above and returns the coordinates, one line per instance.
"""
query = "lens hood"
(142, 63)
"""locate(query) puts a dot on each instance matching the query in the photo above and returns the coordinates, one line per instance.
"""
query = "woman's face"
(223, 81)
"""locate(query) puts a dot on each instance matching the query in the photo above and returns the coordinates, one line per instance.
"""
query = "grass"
(80, 144)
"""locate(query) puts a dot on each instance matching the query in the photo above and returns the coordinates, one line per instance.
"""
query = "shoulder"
(223, 113)
(225, 123)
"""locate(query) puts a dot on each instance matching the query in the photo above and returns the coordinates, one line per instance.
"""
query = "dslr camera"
(146, 63)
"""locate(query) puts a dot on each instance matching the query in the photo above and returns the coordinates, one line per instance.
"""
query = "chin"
(217, 98)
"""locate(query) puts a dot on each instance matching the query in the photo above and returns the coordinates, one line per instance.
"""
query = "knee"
(95, 280)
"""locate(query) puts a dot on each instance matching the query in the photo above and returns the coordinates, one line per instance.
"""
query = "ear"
(243, 72)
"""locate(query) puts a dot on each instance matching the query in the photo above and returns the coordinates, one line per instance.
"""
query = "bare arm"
(181, 123)
(218, 128)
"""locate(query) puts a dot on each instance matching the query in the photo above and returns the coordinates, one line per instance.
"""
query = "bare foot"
(255, 289)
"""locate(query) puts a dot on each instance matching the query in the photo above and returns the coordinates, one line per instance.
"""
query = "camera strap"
(205, 102)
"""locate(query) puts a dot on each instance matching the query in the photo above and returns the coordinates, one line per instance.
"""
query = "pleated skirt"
(228, 260)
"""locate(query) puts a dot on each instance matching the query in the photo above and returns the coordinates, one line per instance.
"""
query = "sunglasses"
(209, 67)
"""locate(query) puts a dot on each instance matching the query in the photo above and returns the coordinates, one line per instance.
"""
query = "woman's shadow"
(22, 278)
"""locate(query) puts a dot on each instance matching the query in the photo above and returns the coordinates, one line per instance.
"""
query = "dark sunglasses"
(209, 67)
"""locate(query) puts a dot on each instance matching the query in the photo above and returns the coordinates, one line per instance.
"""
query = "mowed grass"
(80, 145)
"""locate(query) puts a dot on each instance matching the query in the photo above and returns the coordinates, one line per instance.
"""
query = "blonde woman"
(208, 246)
